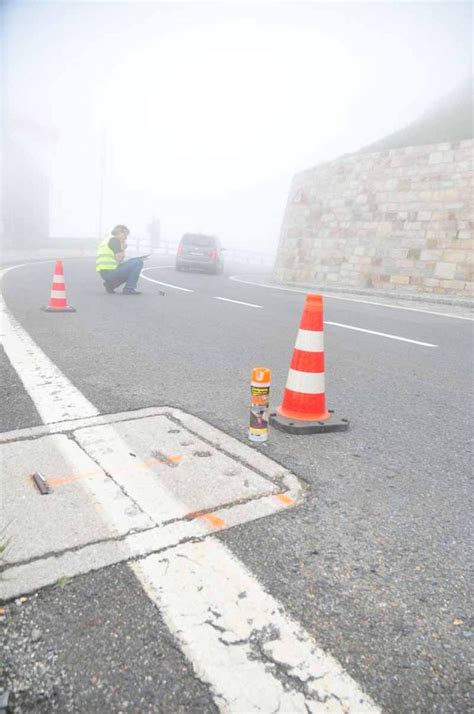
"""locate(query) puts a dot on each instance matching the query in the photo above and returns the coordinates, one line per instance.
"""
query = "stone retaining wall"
(401, 218)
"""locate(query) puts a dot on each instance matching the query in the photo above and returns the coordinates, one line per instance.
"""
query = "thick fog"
(200, 114)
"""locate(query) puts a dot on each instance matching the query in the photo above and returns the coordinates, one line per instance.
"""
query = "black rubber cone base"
(58, 309)
(297, 426)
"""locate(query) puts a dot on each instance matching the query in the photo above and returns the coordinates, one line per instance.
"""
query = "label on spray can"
(259, 400)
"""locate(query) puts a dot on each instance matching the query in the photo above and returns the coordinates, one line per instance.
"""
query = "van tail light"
(180, 250)
(213, 254)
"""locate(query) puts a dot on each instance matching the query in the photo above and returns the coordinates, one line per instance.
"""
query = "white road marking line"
(380, 334)
(226, 624)
(167, 285)
(54, 396)
(346, 299)
(238, 302)
(253, 656)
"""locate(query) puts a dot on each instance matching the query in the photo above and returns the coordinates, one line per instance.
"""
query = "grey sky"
(209, 109)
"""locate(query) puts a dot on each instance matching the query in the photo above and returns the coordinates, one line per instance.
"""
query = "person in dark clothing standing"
(112, 266)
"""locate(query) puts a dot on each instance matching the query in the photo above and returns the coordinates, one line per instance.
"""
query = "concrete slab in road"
(167, 470)
(125, 486)
(73, 513)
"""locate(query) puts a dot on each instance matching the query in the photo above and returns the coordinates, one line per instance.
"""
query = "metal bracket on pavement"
(41, 483)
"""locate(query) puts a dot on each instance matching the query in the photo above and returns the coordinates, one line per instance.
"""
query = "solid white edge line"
(238, 302)
(232, 631)
(346, 299)
(53, 394)
(167, 285)
(380, 334)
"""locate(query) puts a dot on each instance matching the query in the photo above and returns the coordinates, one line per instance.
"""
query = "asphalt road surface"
(374, 564)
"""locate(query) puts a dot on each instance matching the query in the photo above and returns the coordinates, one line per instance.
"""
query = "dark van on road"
(196, 250)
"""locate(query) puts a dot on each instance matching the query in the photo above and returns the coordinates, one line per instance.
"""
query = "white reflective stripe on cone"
(307, 382)
(310, 341)
(58, 294)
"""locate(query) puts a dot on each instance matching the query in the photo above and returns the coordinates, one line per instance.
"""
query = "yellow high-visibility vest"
(105, 259)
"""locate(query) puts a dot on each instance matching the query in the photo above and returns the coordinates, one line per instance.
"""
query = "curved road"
(374, 563)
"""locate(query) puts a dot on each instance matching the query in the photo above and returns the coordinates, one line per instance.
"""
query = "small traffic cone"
(303, 410)
(57, 299)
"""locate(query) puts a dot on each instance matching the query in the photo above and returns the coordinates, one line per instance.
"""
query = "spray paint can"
(259, 399)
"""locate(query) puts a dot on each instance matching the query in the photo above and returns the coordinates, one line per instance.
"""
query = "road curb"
(410, 297)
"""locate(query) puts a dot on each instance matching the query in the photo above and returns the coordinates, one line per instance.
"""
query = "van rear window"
(198, 240)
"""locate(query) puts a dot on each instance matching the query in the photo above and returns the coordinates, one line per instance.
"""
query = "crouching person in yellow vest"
(112, 266)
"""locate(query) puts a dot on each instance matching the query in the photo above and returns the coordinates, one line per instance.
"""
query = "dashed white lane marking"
(167, 285)
(254, 657)
(379, 334)
(238, 302)
(54, 396)
(337, 324)
(236, 635)
(237, 279)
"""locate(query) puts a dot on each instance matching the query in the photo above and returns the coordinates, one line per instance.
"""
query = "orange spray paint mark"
(69, 479)
(121, 471)
(285, 499)
(213, 520)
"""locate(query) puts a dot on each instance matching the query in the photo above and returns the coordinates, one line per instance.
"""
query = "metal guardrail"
(241, 255)
(141, 246)
(250, 257)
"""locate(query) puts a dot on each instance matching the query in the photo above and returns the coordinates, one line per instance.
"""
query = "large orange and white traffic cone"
(303, 409)
(57, 300)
